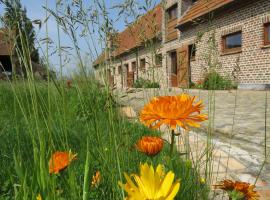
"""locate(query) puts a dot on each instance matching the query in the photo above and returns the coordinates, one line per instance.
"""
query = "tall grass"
(88, 124)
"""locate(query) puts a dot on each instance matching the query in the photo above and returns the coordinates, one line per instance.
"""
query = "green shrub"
(144, 83)
(214, 81)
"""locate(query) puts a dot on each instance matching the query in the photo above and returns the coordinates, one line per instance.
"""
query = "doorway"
(173, 65)
(5, 66)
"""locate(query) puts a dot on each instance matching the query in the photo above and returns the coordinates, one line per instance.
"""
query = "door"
(130, 79)
(173, 59)
(182, 67)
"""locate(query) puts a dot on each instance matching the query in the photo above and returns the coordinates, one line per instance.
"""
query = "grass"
(84, 119)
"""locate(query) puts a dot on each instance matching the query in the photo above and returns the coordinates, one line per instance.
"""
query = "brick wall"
(253, 60)
(151, 72)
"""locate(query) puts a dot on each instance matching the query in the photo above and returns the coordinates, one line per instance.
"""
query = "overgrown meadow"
(39, 119)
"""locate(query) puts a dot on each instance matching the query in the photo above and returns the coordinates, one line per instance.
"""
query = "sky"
(36, 11)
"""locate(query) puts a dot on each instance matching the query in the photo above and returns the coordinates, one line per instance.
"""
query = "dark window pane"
(134, 66)
(142, 64)
(268, 31)
(233, 41)
(172, 12)
(192, 51)
(158, 60)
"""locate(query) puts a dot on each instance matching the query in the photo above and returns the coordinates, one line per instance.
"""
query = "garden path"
(240, 136)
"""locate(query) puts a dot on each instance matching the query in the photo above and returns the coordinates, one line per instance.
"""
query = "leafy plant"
(144, 83)
(214, 81)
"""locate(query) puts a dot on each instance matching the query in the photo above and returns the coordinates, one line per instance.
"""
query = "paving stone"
(239, 132)
(128, 112)
(233, 164)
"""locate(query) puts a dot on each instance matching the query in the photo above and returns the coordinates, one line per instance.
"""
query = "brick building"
(230, 36)
(134, 53)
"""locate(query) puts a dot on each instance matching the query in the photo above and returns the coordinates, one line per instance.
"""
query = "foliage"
(39, 119)
(21, 28)
(144, 83)
(214, 81)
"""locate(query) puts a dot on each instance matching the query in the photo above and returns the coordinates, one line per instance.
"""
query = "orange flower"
(96, 179)
(150, 145)
(69, 83)
(245, 189)
(60, 160)
(172, 111)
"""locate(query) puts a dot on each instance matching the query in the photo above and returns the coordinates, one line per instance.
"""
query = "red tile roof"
(200, 8)
(145, 28)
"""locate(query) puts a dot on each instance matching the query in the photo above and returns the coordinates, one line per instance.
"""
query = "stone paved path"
(241, 133)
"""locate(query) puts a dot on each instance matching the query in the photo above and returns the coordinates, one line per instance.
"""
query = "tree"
(15, 19)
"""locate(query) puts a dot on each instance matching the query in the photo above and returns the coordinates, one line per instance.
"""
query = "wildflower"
(69, 83)
(151, 184)
(39, 197)
(238, 190)
(96, 179)
(202, 181)
(150, 145)
(60, 160)
(172, 111)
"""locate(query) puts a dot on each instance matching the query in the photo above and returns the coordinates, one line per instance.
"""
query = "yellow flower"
(172, 111)
(202, 181)
(151, 184)
(39, 197)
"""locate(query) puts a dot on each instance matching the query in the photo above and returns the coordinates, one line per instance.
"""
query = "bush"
(214, 81)
(144, 83)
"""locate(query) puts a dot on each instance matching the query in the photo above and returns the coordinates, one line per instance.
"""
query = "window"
(267, 34)
(114, 71)
(174, 62)
(158, 60)
(119, 70)
(192, 52)
(126, 68)
(193, 1)
(172, 12)
(232, 42)
(142, 64)
(134, 66)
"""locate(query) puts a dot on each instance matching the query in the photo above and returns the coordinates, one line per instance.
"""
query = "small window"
(158, 60)
(172, 12)
(114, 71)
(142, 64)
(232, 42)
(174, 62)
(267, 34)
(134, 66)
(119, 70)
(192, 52)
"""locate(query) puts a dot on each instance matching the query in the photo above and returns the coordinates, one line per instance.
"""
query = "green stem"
(172, 142)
